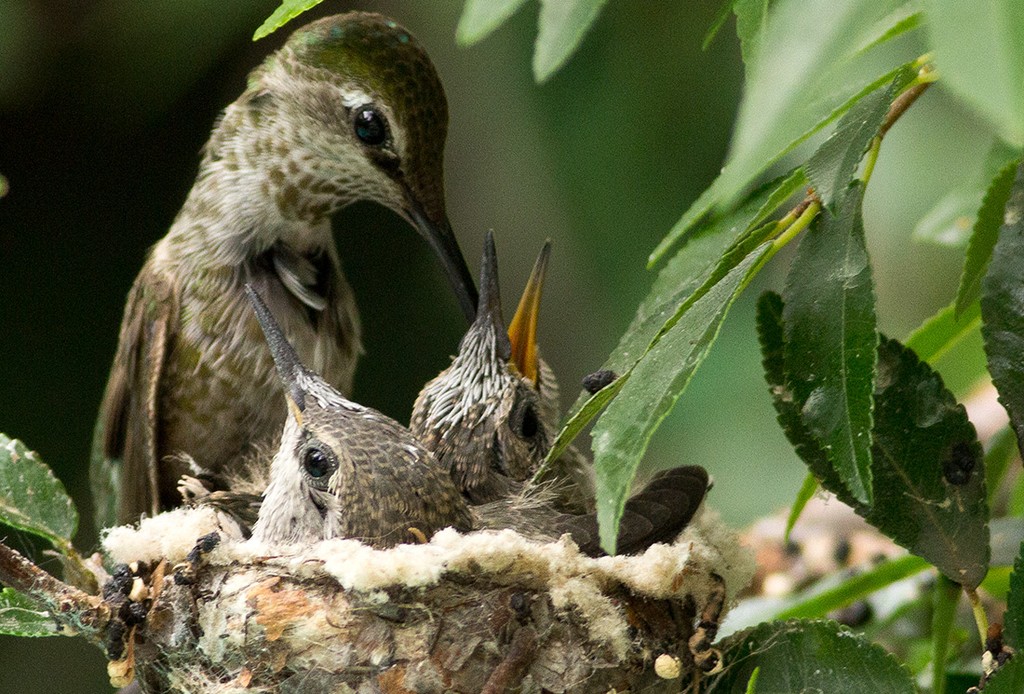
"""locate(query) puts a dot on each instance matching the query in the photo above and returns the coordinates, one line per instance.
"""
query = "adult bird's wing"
(124, 462)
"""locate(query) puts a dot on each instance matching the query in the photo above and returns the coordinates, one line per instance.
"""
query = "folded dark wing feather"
(657, 513)
(124, 467)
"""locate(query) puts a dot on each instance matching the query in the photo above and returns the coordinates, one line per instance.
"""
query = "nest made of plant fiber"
(487, 611)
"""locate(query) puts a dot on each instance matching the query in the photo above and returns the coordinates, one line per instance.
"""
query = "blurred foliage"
(809, 656)
(987, 69)
(111, 101)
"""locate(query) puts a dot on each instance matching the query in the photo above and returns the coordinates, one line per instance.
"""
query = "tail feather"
(657, 513)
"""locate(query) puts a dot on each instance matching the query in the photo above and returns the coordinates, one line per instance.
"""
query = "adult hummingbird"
(350, 108)
(490, 419)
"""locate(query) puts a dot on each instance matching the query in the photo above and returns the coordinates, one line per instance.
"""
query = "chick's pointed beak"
(488, 314)
(440, 237)
(522, 332)
(287, 361)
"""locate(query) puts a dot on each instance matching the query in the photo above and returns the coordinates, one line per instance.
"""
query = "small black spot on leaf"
(958, 466)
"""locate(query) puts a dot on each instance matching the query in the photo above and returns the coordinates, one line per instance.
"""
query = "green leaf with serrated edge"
(929, 481)
(1013, 618)
(286, 12)
(622, 434)
(576, 421)
(31, 498)
(807, 491)
(708, 255)
(831, 338)
(714, 196)
(1002, 311)
(984, 235)
(772, 339)
(706, 258)
(929, 486)
(751, 19)
(716, 25)
(19, 616)
(1002, 450)
(857, 587)
(808, 656)
(834, 164)
(783, 189)
(561, 28)
(800, 74)
(481, 17)
(945, 597)
(979, 51)
(940, 333)
(699, 210)
(1009, 679)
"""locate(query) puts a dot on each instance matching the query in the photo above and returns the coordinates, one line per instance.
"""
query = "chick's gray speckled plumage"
(490, 418)
(372, 480)
(347, 471)
(192, 374)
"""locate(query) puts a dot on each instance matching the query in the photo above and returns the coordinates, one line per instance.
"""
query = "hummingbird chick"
(490, 419)
(344, 470)
(350, 108)
(491, 416)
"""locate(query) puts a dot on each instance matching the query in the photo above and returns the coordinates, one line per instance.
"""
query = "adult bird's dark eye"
(528, 427)
(316, 463)
(370, 127)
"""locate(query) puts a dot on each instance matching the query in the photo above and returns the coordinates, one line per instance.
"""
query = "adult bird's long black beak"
(488, 312)
(289, 368)
(440, 237)
(522, 331)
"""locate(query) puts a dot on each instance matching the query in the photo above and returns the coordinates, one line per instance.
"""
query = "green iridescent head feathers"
(376, 56)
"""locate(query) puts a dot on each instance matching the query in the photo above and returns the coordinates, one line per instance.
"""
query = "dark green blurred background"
(105, 104)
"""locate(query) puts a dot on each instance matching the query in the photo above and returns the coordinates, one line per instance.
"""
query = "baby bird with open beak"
(490, 419)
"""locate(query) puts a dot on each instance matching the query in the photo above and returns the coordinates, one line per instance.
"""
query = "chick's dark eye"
(370, 128)
(316, 463)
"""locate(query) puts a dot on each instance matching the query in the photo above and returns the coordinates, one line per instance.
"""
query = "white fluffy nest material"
(485, 611)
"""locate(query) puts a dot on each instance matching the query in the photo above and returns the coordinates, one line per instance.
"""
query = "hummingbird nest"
(488, 611)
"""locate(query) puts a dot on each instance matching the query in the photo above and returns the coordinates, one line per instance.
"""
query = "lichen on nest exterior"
(487, 611)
